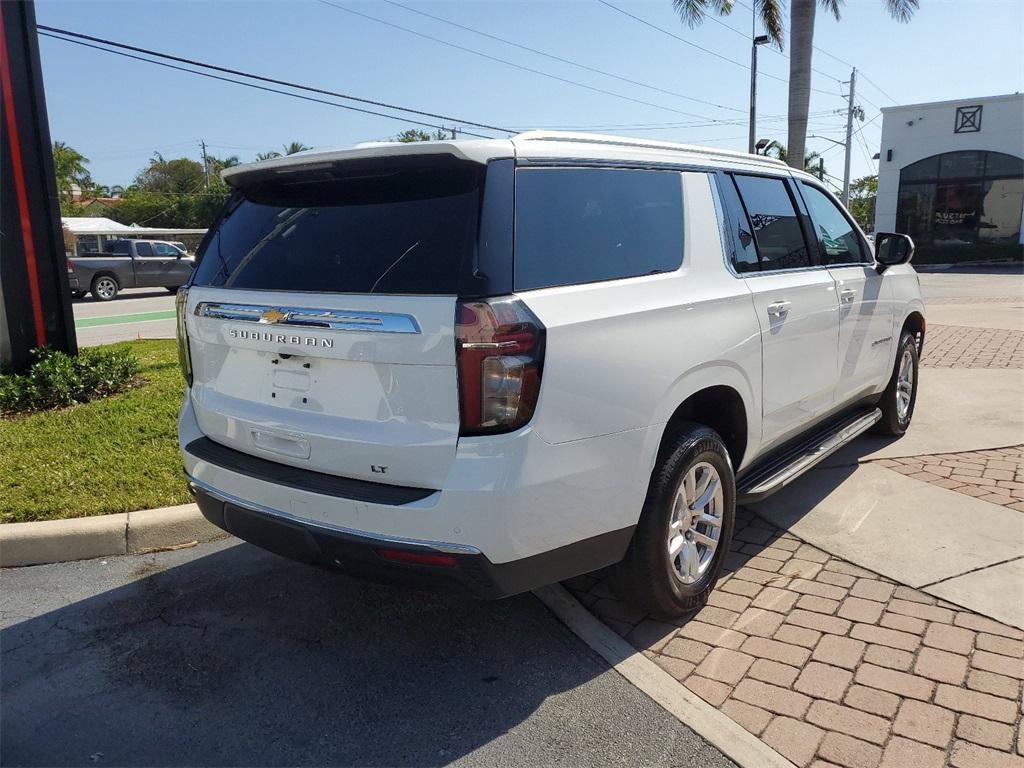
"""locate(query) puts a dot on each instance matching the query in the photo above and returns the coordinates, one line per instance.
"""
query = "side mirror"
(892, 249)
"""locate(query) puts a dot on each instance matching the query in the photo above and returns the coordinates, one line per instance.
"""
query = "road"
(226, 655)
(146, 313)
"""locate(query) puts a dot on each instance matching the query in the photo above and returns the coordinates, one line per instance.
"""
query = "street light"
(758, 40)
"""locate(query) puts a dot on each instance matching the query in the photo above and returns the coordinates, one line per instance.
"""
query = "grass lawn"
(117, 454)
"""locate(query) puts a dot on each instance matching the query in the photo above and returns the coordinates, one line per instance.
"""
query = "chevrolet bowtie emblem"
(272, 316)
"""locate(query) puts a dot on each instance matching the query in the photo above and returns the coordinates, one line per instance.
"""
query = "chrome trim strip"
(434, 546)
(307, 317)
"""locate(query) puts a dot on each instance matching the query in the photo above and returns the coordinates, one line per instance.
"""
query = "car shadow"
(244, 658)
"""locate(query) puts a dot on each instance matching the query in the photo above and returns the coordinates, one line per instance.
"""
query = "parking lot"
(872, 614)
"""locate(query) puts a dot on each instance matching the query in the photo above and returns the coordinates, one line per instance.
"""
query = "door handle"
(779, 308)
(847, 295)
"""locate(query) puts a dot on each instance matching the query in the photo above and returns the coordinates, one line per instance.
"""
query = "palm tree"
(261, 156)
(295, 146)
(812, 161)
(801, 44)
(69, 168)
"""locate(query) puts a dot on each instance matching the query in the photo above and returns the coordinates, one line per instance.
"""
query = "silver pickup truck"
(129, 264)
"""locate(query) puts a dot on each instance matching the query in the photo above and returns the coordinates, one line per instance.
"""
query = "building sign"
(968, 119)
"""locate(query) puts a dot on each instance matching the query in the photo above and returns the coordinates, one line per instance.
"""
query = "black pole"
(35, 299)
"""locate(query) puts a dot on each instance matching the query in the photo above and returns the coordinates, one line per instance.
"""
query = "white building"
(951, 175)
(91, 232)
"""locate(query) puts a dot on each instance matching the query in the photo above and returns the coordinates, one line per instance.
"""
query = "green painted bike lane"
(138, 317)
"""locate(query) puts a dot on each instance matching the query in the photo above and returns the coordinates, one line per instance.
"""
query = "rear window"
(584, 225)
(392, 230)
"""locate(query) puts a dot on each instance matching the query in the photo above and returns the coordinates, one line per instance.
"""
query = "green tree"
(415, 134)
(179, 176)
(863, 193)
(69, 168)
(295, 146)
(801, 42)
(261, 156)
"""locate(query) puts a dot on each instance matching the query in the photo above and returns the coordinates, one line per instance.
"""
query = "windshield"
(405, 231)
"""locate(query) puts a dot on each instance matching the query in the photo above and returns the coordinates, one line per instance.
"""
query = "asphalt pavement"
(223, 654)
(137, 313)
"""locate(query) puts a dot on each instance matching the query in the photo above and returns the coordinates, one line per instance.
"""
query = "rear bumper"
(524, 511)
(455, 568)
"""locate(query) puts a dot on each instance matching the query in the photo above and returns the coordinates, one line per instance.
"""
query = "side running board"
(781, 471)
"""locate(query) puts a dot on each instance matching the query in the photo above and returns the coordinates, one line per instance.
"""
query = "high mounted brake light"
(499, 345)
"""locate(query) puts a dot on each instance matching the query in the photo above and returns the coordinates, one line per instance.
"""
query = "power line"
(506, 62)
(683, 40)
(312, 89)
(875, 85)
(561, 59)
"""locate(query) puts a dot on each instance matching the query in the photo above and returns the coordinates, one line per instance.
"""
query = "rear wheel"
(685, 528)
(899, 398)
(105, 288)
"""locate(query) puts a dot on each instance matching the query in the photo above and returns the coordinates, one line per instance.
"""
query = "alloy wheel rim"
(695, 526)
(905, 385)
(105, 287)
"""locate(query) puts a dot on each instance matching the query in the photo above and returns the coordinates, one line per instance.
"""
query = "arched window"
(958, 198)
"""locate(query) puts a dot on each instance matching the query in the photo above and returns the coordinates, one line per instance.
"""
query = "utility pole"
(206, 163)
(849, 138)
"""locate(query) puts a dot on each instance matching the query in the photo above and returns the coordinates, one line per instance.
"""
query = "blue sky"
(118, 112)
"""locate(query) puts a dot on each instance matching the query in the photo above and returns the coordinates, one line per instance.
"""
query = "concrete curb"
(83, 538)
(739, 745)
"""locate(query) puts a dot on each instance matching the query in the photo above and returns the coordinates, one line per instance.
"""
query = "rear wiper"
(393, 265)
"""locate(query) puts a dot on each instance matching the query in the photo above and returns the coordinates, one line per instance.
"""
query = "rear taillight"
(71, 268)
(500, 349)
(184, 354)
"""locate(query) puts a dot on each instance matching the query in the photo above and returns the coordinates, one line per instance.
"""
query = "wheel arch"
(915, 324)
(720, 407)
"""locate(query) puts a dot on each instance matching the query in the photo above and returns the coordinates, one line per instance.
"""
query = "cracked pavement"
(226, 655)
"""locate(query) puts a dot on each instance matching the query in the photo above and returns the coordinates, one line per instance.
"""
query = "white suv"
(497, 364)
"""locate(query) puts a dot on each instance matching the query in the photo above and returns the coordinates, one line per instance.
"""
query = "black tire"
(647, 577)
(895, 420)
(105, 288)
(172, 290)
(78, 294)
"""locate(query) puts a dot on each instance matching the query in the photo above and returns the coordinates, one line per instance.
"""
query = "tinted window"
(119, 248)
(780, 242)
(840, 243)
(144, 249)
(582, 225)
(402, 230)
(741, 238)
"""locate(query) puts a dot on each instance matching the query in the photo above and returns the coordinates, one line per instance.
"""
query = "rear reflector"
(417, 558)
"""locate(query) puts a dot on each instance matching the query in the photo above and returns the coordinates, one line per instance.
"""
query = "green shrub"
(56, 379)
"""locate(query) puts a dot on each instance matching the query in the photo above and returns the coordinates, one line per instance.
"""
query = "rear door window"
(394, 230)
(584, 225)
(837, 237)
(773, 216)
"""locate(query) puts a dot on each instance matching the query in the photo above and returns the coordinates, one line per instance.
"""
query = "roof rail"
(622, 141)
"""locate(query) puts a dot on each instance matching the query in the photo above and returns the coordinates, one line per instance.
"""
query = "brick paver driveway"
(831, 664)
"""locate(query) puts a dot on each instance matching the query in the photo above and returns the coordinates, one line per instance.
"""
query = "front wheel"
(900, 396)
(685, 527)
(105, 288)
